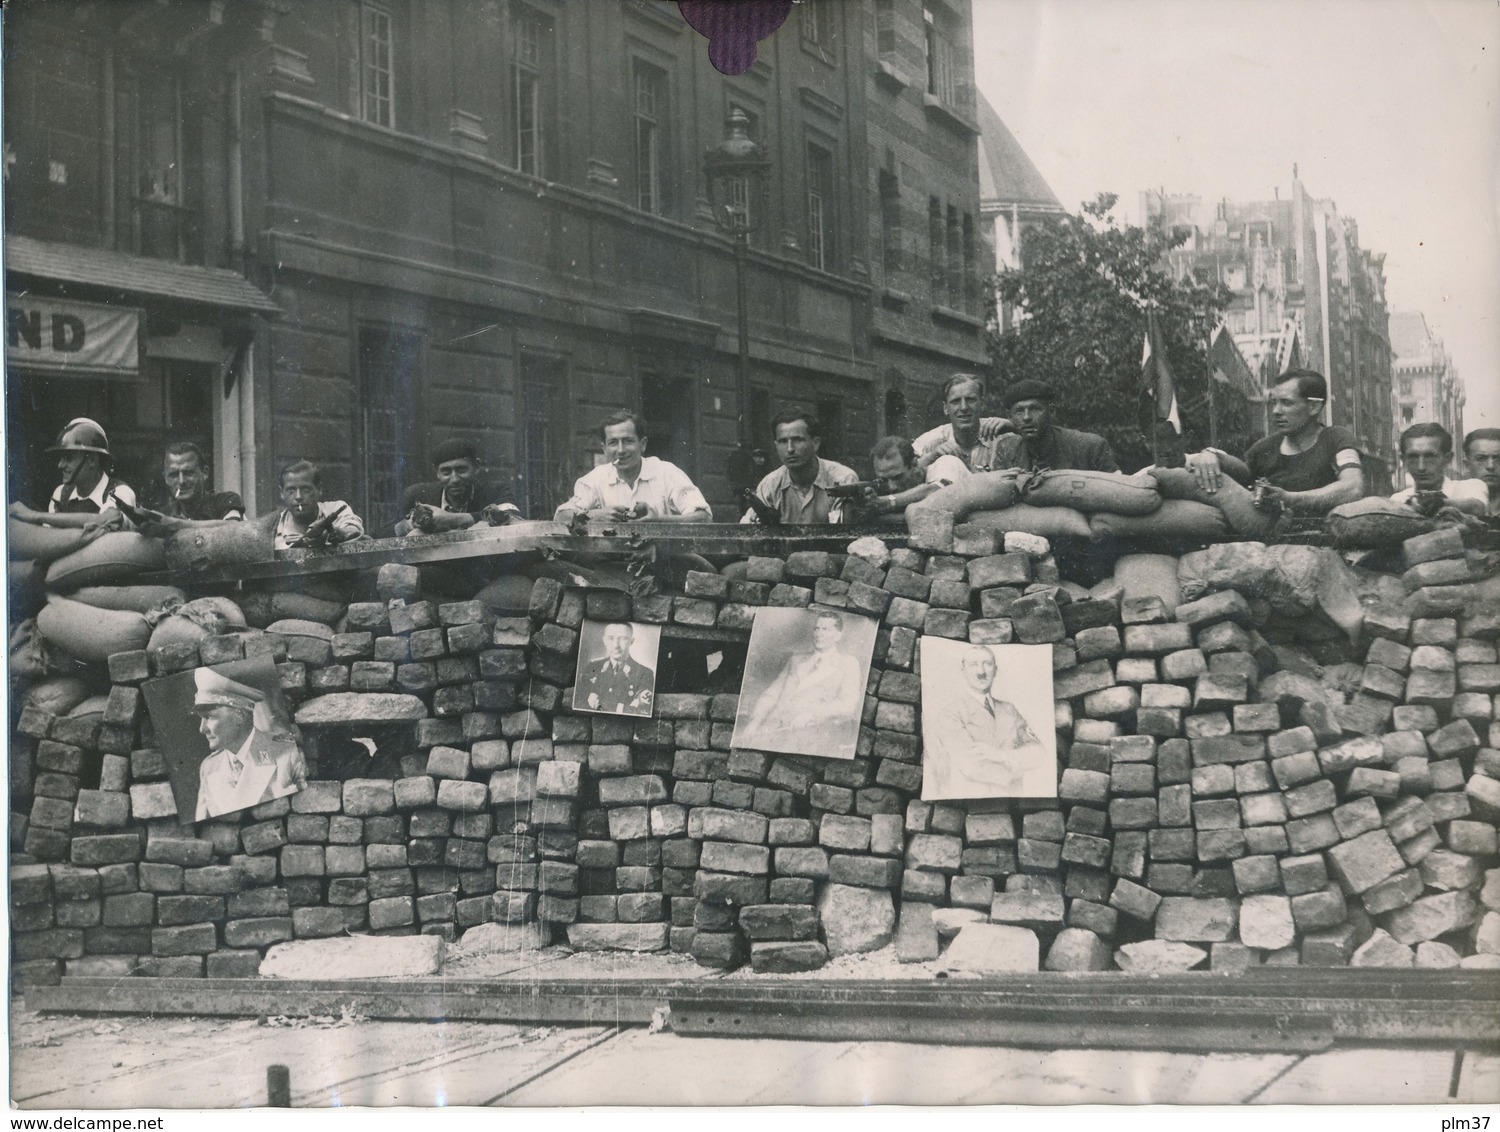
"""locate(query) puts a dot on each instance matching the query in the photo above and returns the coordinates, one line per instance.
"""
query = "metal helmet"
(82, 435)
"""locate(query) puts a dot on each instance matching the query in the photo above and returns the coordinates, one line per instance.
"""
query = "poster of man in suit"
(804, 685)
(987, 721)
(617, 668)
(227, 736)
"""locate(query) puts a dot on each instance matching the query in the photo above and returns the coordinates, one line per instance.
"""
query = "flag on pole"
(1157, 375)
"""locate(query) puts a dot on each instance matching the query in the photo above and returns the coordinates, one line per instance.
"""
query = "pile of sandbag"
(1062, 504)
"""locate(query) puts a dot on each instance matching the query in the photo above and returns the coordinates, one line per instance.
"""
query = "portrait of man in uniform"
(617, 668)
(227, 737)
(987, 721)
(804, 685)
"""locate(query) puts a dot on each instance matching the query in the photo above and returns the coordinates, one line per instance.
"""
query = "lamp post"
(736, 172)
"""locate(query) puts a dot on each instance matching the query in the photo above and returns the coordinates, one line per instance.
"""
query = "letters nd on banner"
(70, 337)
(988, 727)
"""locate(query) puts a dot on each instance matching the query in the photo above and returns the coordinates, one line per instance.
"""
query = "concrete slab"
(206, 1063)
(1479, 1079)
(640, 1068)
(1367, 1075)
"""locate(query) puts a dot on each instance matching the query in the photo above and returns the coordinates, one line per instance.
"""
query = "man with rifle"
(307, 519)
(799, 490)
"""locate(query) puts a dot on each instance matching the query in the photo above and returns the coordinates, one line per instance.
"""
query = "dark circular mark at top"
(734, 27)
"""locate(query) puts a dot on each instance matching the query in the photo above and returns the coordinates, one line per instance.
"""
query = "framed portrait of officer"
(227, 736)
(804, 687)
(988, 724)
(617, 668)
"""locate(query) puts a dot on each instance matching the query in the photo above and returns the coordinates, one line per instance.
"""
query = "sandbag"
(192, 621)
(111, 557)
(1111, 493)
(26, 652)
(88, 633)
(295, 627)
(1174, 519)
(200, 550)
(224, 612)
(1237, 503)
(507, 596)
(89, 705)
(1049, 522)
(1293, 579)
(138, 599)
(25, 582)
(57, 695)
(30, 541)
(1149, 575)
(1375, 523)
(262, 608)
(983, 491)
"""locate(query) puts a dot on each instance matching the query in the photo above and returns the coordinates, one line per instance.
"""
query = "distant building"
(346, 230)
(1305, 293)
(1013, 195)
(1428, 388)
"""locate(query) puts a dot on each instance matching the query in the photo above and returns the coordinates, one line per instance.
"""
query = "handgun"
(767, 514)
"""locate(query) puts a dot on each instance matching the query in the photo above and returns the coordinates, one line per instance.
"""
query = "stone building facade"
(1427, 386)
(1302, 285)
(487, 218)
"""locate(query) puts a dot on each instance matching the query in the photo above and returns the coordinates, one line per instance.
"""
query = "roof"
(1411, 340)
(1006, 175)
(118, 271)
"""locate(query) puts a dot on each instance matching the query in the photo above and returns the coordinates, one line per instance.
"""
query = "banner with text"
(68, 337)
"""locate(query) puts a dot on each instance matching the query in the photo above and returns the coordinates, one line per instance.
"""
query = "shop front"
(154, 351)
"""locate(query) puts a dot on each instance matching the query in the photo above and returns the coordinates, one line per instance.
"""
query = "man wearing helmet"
(87, 494)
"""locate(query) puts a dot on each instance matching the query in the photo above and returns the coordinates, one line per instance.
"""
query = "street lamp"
(736, 172)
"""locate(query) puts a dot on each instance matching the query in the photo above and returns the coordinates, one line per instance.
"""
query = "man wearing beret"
(246, 764)
(1039, 442)
(458, 496)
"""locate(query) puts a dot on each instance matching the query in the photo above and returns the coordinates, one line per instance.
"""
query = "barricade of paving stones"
(1219, 804)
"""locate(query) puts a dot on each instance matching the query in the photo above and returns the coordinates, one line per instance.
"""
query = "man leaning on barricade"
(1303, 469)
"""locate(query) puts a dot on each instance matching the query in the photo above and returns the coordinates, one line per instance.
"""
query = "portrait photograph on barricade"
(804, 685)
(616, 668)
(987, 721)
(680, 552)
(227, 737)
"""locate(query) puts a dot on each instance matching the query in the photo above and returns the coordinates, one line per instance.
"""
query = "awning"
(118, 271)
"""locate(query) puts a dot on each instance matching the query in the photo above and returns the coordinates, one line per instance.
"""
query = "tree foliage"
(1080, 300)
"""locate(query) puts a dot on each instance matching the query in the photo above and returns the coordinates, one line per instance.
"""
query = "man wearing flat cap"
(1039, 442)
(458, 496)
(246, 764)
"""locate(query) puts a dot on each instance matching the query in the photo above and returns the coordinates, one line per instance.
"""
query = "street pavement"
(74, 1062)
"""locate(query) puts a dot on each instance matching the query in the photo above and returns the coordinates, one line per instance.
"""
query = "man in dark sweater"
(1039, 442)
(458, 496)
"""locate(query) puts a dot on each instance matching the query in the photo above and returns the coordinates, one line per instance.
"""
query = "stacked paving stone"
(1222, 799)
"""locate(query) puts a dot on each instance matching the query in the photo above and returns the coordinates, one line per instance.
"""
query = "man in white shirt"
(1427, 451)
(798, 490)
(980, 746)
(246, 764)
(813, 704)
(631, 486)
(967, 436)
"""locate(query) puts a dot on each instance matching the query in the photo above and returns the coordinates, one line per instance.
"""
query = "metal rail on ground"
(1298, 1009)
